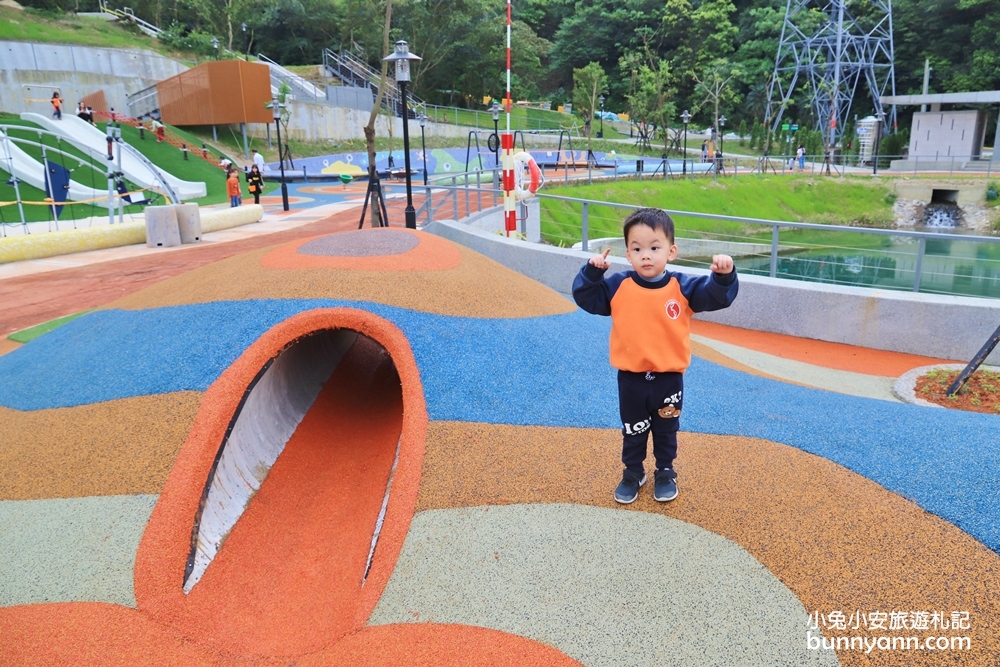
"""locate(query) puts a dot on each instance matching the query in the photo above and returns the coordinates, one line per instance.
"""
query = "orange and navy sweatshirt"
(651, 319)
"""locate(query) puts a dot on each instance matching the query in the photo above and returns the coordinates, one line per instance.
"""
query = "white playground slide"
(28, 169)
(85, 136)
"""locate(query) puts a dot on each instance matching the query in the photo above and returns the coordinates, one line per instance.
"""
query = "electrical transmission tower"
(828, 52)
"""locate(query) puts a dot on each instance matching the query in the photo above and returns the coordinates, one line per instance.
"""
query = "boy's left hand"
(722, 264)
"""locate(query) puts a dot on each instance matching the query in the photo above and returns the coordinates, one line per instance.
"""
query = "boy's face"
(649, 251)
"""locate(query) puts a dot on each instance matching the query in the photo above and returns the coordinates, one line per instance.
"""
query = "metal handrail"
(292, 78)
(462, 181)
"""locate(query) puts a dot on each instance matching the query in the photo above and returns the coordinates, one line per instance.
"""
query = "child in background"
(233, 188)
(255, 183)
(56, 106)
(650, 309)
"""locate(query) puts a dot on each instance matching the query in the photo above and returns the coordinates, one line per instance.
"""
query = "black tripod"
(763, 162)
(374, 190)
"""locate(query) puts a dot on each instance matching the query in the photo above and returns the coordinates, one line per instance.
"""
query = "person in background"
(233, 188)
(255, 182)
(90, 115)
(258, 160)
(56, 106)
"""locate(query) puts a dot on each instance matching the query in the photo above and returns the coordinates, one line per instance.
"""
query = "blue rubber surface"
(550, 371)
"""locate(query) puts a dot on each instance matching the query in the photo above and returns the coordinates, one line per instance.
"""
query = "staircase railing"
(356, 73)
(127, 14)
(305, 89)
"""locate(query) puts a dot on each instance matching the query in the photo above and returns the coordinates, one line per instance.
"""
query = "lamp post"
(276, 112)
(215, 45)
(600, 132)
(401, 56)
(495, 108)
(685, 118)
(722, 134)
(880, 115)
(246, 44)
(423, 147)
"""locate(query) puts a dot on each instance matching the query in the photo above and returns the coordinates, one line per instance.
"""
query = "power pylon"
(838, 52)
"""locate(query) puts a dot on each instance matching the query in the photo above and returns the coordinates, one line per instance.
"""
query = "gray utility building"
(953, 137)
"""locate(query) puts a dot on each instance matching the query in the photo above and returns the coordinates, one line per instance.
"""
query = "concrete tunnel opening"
(318, 391)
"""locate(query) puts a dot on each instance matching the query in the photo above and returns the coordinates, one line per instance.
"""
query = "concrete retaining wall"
(30, 72)
(946, 327)
(123, 63)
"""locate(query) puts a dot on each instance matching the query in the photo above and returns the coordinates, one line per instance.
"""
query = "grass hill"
(29, 25)
(788, 198)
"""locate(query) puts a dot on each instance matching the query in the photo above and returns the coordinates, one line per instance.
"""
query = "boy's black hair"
(655, 219)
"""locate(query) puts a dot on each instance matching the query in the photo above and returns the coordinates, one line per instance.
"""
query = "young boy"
(233, 188)
(650, 309)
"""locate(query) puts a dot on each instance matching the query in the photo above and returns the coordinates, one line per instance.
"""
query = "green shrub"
(176, 37)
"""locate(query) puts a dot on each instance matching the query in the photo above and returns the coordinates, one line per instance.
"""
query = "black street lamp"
(215, 45)
(600, 132)
(722, 133)
(685, 118)
(246, 44)
(276, 112)
(402, 57)
(496, 130)
(880, 115)
(423, 147)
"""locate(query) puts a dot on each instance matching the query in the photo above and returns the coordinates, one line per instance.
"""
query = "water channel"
(968, 268)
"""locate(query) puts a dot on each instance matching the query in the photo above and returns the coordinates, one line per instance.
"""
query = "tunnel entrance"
(296, 496)
(940, 196)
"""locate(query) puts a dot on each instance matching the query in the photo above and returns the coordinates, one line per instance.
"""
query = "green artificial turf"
(31, 333)
(171, 159)
(92, 172)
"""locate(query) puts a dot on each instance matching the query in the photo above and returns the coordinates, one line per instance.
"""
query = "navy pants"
(650, 402)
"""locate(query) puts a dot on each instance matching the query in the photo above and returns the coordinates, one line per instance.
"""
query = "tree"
(714, 86)
(588, 83)
(652, 100)
(743, 132)
(370, 127)
(285, 115)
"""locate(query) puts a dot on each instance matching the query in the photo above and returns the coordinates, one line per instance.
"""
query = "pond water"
(967, 268)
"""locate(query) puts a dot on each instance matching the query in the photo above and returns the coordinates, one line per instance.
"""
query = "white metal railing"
(127, 14)
(296, 82)
(903, 263)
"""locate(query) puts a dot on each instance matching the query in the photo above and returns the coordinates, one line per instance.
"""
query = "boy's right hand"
(601, 261)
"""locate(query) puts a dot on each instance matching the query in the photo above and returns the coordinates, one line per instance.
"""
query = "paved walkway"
(445, 497)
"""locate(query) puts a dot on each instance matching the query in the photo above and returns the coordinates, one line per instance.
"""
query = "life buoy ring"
(526, 169)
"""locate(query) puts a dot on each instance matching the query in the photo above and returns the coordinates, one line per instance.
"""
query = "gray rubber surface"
(64, 550)
(606, 587)
(361, 244)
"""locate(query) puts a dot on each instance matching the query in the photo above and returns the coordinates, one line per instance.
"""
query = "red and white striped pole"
(507, 148)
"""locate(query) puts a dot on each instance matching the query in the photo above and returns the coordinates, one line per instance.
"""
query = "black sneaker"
(664, 486)
(628, 489)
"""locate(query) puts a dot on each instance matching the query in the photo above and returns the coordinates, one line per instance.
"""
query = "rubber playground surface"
(446, 496)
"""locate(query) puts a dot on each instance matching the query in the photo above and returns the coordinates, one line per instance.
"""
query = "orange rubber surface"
(817, 352)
